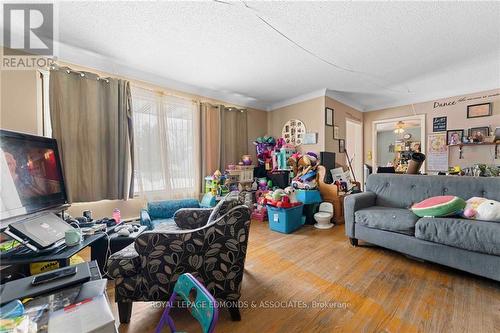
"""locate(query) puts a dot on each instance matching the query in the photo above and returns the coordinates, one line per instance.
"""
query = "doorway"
(354, 148)
(393, 141)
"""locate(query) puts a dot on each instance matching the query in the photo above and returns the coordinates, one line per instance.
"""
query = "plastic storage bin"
(308, 196)
(285, 220)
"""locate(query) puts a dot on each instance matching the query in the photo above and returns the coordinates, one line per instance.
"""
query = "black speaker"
(327, 159)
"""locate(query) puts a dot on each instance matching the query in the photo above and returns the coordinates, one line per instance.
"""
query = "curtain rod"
(81, 73)
(162, 92)
(230, 108)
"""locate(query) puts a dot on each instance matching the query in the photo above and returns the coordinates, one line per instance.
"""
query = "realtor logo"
(28, 27)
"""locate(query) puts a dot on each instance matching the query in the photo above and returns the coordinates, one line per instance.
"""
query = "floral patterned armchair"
(214, 253)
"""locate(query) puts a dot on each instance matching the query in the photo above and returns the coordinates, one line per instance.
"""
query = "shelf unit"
(462, 145)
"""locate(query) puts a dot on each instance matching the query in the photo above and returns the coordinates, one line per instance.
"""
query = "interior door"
(354, 148)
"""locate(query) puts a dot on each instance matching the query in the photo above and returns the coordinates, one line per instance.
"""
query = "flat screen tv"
(31, 175)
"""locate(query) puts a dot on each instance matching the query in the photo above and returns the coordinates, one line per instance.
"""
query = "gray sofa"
(381, 216)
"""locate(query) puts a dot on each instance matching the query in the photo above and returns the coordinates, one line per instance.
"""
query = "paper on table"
(92, 315)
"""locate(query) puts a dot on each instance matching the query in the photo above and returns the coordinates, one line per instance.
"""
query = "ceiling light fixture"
(399, 127)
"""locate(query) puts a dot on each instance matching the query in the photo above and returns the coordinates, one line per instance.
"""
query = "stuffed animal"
(306, 176)
(281, 198)
(482, 209)
(290, 191)
(277, 194)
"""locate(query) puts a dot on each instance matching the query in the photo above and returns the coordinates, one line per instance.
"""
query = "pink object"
(469, 213)
(117, 215)
(434, 201)
(246, 159)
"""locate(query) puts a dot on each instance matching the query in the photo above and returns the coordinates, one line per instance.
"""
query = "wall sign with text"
(439, 124)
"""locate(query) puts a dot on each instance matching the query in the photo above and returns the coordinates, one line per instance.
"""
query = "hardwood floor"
(367, 289)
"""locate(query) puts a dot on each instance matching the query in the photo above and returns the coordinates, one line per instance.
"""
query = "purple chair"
(202, 304)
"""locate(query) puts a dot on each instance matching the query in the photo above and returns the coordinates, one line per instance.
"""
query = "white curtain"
(166, 132)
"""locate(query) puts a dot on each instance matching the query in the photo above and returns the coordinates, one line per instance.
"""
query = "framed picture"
(479, 110)
(478, 134)
(341, 146)
(328, 117)
(454, 137)
(336, 132)
(310, 138)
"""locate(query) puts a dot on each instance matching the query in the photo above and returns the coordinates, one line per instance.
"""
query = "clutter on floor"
(283, 184)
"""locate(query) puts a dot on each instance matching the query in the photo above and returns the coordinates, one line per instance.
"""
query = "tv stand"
(62, 253)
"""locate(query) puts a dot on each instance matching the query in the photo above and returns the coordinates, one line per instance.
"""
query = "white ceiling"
(395, 53)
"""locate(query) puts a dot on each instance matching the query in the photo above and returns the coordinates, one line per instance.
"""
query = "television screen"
(31, 175)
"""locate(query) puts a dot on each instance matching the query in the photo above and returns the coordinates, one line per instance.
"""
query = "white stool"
(324, 216)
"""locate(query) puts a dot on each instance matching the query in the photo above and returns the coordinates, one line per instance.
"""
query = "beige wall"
(310, 112)
(457, 119)
(257, 126)
(341, 112)
(19, 101)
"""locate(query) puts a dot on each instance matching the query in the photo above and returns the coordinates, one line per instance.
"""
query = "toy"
(208, 200)
(279, 159)
(290, 192)
(281, 142)
(255, 185)
(482, 209)
(277, 194)
(306, 176)
(280, 198)
(202, 305)
(293, 162)
(260, 210)
(216, 184)
(443, 205)
(246, 160)
(263, 184)
(265, 146)
(281, 155)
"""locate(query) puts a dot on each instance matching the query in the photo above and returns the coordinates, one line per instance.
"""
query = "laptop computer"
(42, 230)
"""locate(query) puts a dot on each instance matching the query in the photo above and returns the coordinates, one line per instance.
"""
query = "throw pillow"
(444, 205)
(192, 218)
(482, 209)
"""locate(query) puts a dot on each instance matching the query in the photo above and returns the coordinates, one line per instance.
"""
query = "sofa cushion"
(386, 218)
(192, 218)
(164, 225)
(479, 236)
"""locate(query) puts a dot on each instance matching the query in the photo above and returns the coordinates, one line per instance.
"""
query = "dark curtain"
(92, 123)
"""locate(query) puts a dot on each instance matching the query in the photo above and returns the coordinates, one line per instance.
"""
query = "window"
(165, 145)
